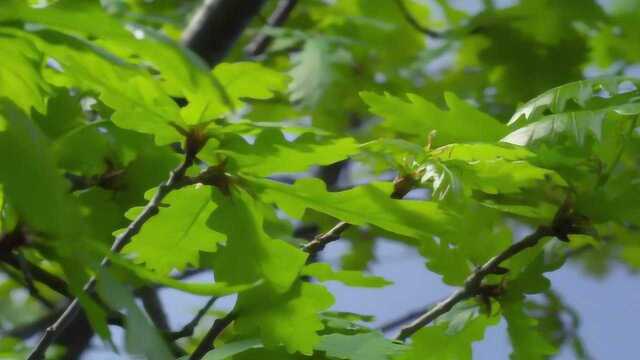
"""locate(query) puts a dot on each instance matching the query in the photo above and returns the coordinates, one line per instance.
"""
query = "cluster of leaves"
(98, 105)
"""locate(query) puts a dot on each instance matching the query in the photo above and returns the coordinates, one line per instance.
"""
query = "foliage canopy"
(455, 132)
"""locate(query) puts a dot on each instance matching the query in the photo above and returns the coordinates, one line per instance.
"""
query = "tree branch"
(401, 187)
(472, 285)
(134, 227)
(261, 41)
(53, 282)
(415, 24)
(188, 329)
(29, 285)
(206, 344)
(403, 319)
(153, 306)
(216, 25)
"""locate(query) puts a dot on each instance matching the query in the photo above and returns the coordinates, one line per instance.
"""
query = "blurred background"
(493, 53)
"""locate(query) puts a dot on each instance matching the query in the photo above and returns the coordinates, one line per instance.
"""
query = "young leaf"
(364, 204)
(140, 102)
(527, 342)
(314, 70)
(272, 153)
(418, 117)
(29, 177)
(275, 261)
(576, 124)
(556, 99)
(271, 316)
(174, 238)
(250, 80)
(184, 73)
(20, 78)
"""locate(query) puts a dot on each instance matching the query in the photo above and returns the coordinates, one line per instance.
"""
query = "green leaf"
(481, 151)
(20, 78)
(250, 80)
(418, 117)
(271, 316)
(219, 288)
(184, 73)
(368, 346)
(275, 261)
(527, 272)
(323, 272)
(527, 342)
(30, 178)
(346, 322)
(448, 341)
(137, 324)
(577, 125)
(226, 351)
(174, 238)
(557, 99)
(205, 289)
(272, 153)
(363, 204)
(63, 114)
(497, 176)
(314, 70)
(101, 213)
(139, 101)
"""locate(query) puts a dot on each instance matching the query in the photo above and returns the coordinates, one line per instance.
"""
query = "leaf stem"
(261, 41)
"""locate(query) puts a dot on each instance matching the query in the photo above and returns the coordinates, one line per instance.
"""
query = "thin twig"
(123, 239)
(415, 24)
(25, 331)
(29, 285)
(188, 329)
(153, 306)
(206, 344)
(261, 41)
(402, 186)
(403, 319)
(472, 285)
(52, 281)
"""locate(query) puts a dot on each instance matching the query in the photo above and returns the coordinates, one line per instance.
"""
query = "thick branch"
(472, 285)
(260, 42)
(216, 25)
(151, 209)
